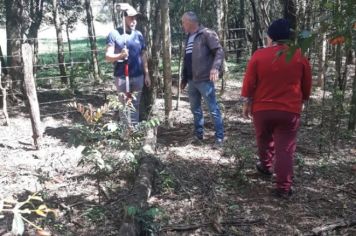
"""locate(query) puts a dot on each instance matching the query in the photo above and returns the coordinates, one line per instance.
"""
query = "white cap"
(127, 9)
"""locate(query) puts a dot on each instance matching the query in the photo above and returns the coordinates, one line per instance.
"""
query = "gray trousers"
(136, 85)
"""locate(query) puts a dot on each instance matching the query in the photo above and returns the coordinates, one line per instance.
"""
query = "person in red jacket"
(273, 92)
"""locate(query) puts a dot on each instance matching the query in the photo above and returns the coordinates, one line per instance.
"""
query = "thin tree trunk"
(4, 95)
(32, 101)
(149, 10)
(36, 13)
(114, 14)
(352, 116)
(240, 34)
(14, 34)
(322, 61)
(3, 63)
(60, 45)
(69, 42)
(290, 13)
(92, 40)
(255, 27)
(167, 67)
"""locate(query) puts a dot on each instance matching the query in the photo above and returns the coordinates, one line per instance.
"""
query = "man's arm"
(218, 52)
(111, 56)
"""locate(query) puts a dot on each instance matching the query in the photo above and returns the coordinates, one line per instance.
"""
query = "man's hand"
(124, 54)
(214, 75)
(147, 80)
(246, 110)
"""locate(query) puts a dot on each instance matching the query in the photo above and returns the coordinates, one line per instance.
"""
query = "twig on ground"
(239, 222)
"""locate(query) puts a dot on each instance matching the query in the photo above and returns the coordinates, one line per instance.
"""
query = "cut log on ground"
(333, 226)
(140, 193)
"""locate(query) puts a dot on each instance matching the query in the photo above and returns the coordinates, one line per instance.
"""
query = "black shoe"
(263, 170)
(198, 140)
(219, 143)
(280, 193)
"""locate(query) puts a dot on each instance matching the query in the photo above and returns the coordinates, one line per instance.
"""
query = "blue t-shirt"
(135, 44)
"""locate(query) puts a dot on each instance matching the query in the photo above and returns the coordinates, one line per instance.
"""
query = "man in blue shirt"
(130, 46)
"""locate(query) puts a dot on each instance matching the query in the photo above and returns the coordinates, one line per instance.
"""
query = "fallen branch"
(238, 222)
(333, 226)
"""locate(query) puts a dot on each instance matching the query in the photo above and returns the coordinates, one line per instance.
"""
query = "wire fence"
(52, 93)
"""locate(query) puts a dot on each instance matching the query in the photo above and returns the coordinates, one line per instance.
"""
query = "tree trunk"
(255, 27)
(221, 9)
(167, 57)
(2, 63)
(92, 40)
(181, 55)
(69, 43)
(240, 34)
(149, 10)
(36, 14)
(322, 61)
(31, 94)
(14, 34)
(3, 87)
(60, 45)
(114, 14)
(352, 117)
(290, 11)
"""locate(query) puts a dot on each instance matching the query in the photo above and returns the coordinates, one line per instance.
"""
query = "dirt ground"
(198, 190)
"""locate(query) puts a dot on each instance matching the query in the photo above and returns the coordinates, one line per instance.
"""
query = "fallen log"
(333, 226)
(140, 193)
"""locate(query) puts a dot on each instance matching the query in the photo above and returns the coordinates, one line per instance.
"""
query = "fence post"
(31, 94)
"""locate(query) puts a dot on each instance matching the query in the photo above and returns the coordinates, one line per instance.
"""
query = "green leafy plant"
(146, 218)
(108, 145)
(19, 209)
(167, 180)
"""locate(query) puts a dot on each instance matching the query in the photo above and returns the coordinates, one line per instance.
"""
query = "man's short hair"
(191, 16)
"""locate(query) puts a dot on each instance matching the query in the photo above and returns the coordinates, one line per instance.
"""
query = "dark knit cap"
(279, 30)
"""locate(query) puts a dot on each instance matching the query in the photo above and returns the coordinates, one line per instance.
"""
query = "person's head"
(190, 22)
(131, 18)
(279, 30)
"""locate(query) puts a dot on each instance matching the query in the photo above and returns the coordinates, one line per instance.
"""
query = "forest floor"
(198, 190)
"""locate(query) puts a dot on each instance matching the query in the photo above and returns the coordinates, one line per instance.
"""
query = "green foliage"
(95, 214)
(241, 156)
(167, 180)
(108, 145)
(146, 218)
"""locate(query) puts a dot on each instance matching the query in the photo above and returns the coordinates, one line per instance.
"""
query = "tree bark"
(4, 95)
(148, 25)
(140, 193)
(36, 14)
(114, 14)
(322, 61)
(167, 57)
(241, 33)
(2, 63)
(290, 11)
(255, 27)
(32, 101)
(352, 116)
(92, 40)
(60, 45)
(14, 34)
